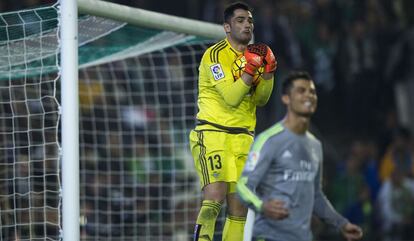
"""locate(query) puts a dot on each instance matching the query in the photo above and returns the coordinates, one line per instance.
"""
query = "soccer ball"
(237, 69)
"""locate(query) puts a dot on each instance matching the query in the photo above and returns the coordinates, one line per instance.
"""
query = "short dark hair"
(291, 77)
(229, 11)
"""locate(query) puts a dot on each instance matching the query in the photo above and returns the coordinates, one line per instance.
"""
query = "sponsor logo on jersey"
(306, 172)
(290, 175)
(217, 71)
(286, 154)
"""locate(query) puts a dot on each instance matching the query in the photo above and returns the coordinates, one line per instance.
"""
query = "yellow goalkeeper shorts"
(219, 156)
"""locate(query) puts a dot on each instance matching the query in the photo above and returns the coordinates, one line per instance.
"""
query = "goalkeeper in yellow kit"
(226, 120)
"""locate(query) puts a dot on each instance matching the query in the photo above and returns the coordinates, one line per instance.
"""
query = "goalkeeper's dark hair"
(291, 77)
(229, 11)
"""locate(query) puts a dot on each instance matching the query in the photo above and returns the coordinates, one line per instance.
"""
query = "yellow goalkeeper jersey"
(215, 68)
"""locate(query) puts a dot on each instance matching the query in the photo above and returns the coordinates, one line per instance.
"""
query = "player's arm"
(323, 208)
(234, 92)
(256, 167)
(265, 84)
(263, 92)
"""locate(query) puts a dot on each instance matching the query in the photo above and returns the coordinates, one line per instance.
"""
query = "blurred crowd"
(361, 55)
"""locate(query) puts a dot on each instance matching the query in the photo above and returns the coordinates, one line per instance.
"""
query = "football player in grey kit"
(282, 178)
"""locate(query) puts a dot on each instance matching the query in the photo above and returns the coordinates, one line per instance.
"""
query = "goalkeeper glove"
(254, 55)
(268, 57)
(269, 61)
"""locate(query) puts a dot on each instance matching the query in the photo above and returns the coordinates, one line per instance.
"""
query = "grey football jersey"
(285, 166)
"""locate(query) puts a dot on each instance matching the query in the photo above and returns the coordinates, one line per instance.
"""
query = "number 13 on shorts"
(219, 156)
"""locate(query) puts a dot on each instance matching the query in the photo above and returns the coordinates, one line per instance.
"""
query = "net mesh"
(29, 116)
(137, 176)
(137, 104)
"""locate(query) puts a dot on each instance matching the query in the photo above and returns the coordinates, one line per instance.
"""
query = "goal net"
(137, 95)
(29, 147)
(137, 179)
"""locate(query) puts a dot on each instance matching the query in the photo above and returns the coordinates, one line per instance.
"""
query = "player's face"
(302, 99)
(241, 26)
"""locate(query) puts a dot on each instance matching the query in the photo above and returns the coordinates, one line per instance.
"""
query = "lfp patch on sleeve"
(217, 71)
(252, 161)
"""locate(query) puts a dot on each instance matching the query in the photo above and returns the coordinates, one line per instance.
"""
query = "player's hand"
(254, 55)
(275, 209)
(269, 61)
(352, 232)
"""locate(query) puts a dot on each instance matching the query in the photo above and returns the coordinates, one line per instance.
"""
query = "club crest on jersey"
(216, 174)
(217, 71)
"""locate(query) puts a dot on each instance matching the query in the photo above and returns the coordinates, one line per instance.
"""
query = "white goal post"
(70, 120)
(149, 19)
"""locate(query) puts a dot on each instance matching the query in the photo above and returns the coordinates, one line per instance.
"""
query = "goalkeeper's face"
(240, 28)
